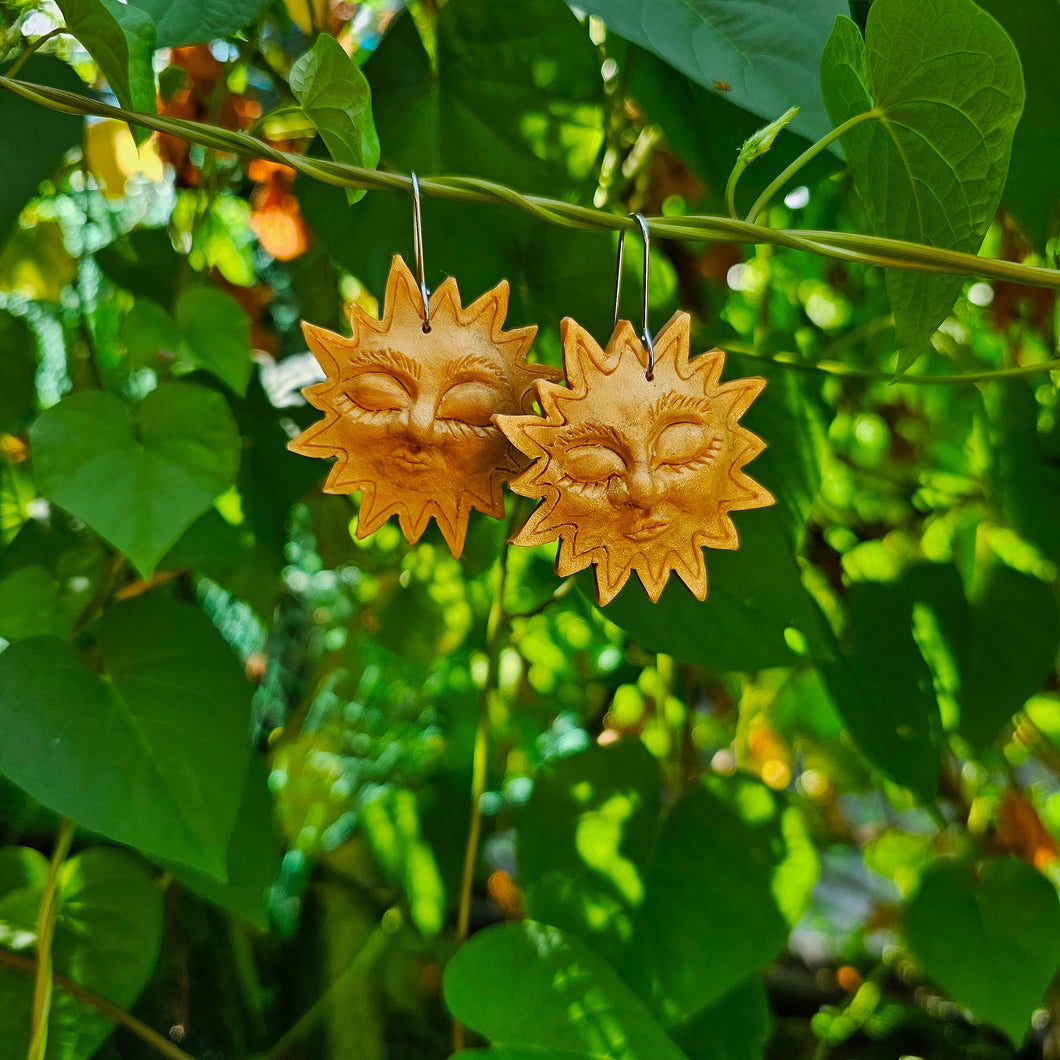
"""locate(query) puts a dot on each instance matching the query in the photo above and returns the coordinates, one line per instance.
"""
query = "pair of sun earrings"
(637, 460)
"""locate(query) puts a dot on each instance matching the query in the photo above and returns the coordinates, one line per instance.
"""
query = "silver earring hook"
(417, 245)
(645, 334)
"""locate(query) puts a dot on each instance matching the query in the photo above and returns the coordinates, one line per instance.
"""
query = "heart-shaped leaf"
(138, 481)
(1034, 26)
(991, 941)
(883, 688)
(336, 98)
(253, 857)
(946, 86)
(121, 38)
(198, 21)
(154, 752)
(762, 57)
(564, 997)
(757, 612)
(209, 330)
(584, 840)
(107, 937)
(43, 137)
(732, 870)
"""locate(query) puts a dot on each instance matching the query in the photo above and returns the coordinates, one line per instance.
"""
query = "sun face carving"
(408, 413)
(637, 475)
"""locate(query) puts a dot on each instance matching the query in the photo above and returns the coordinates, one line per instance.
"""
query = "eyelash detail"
(705, 459)
(586, 489)
(467, 430)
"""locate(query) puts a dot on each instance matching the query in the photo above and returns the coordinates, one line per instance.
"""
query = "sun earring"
(409, 402)
(638, 460)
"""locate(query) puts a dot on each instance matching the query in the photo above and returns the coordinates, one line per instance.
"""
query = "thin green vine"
(42, 989)
(851, 247)
(810, 153)
(163, 1046)
(494, 625)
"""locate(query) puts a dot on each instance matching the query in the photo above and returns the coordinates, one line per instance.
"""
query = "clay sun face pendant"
(637, 475)
(408, 413)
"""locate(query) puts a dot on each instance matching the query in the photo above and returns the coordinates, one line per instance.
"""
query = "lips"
(404, 460)
(647, 530)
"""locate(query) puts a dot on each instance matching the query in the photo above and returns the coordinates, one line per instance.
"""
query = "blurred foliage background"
(814, 816)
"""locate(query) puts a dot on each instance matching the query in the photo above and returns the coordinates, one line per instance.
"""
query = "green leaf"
(792, 418)
(30, 605)
(144, 263)
(199, 21)
(989, 653)
(989, 938)
(757, 613)
(121, 38)
(1034, 26)
(735, 1027)
(1024, 485)
(43, 136)
(521, 96)
(154, 752)
(18, 369)
(584, 840)
(149, 335)
(946, 83)
(253, 857)
(48, 575)
(210, 331)
(761, 57)
(216, 335)
(108, 933)
(336, 98)
(564, 997)
(706, 130)
(731, 872)
(1014, 639)
(138, 480)
(391, 821)
(883, 688)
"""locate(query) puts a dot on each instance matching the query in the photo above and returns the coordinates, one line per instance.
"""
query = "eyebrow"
(385, 358)
(678, 403)
(470, 363)
(584, 432)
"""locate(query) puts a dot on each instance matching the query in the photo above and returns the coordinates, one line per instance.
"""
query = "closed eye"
(378, 392)
(593, 463)
(470, 402)
(682, 443)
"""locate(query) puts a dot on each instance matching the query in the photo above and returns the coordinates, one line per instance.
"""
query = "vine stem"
(838, 368)
(104, 1007)
(31, 48)
(494, 624)
(371, 950)
(845, 246)
(810, 153)
(42, 988)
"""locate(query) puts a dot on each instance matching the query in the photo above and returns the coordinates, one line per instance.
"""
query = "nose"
(641, 489)
(419, 425)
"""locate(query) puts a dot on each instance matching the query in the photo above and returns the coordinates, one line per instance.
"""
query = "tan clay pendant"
(637, 473)
(408, 405)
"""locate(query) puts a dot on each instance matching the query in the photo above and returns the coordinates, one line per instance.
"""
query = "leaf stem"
(852, 247)
(106, 1008)
(480, 761)
(809, 154)
(989, 375)
(371, 950)
(42, 989)
(17, 65)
